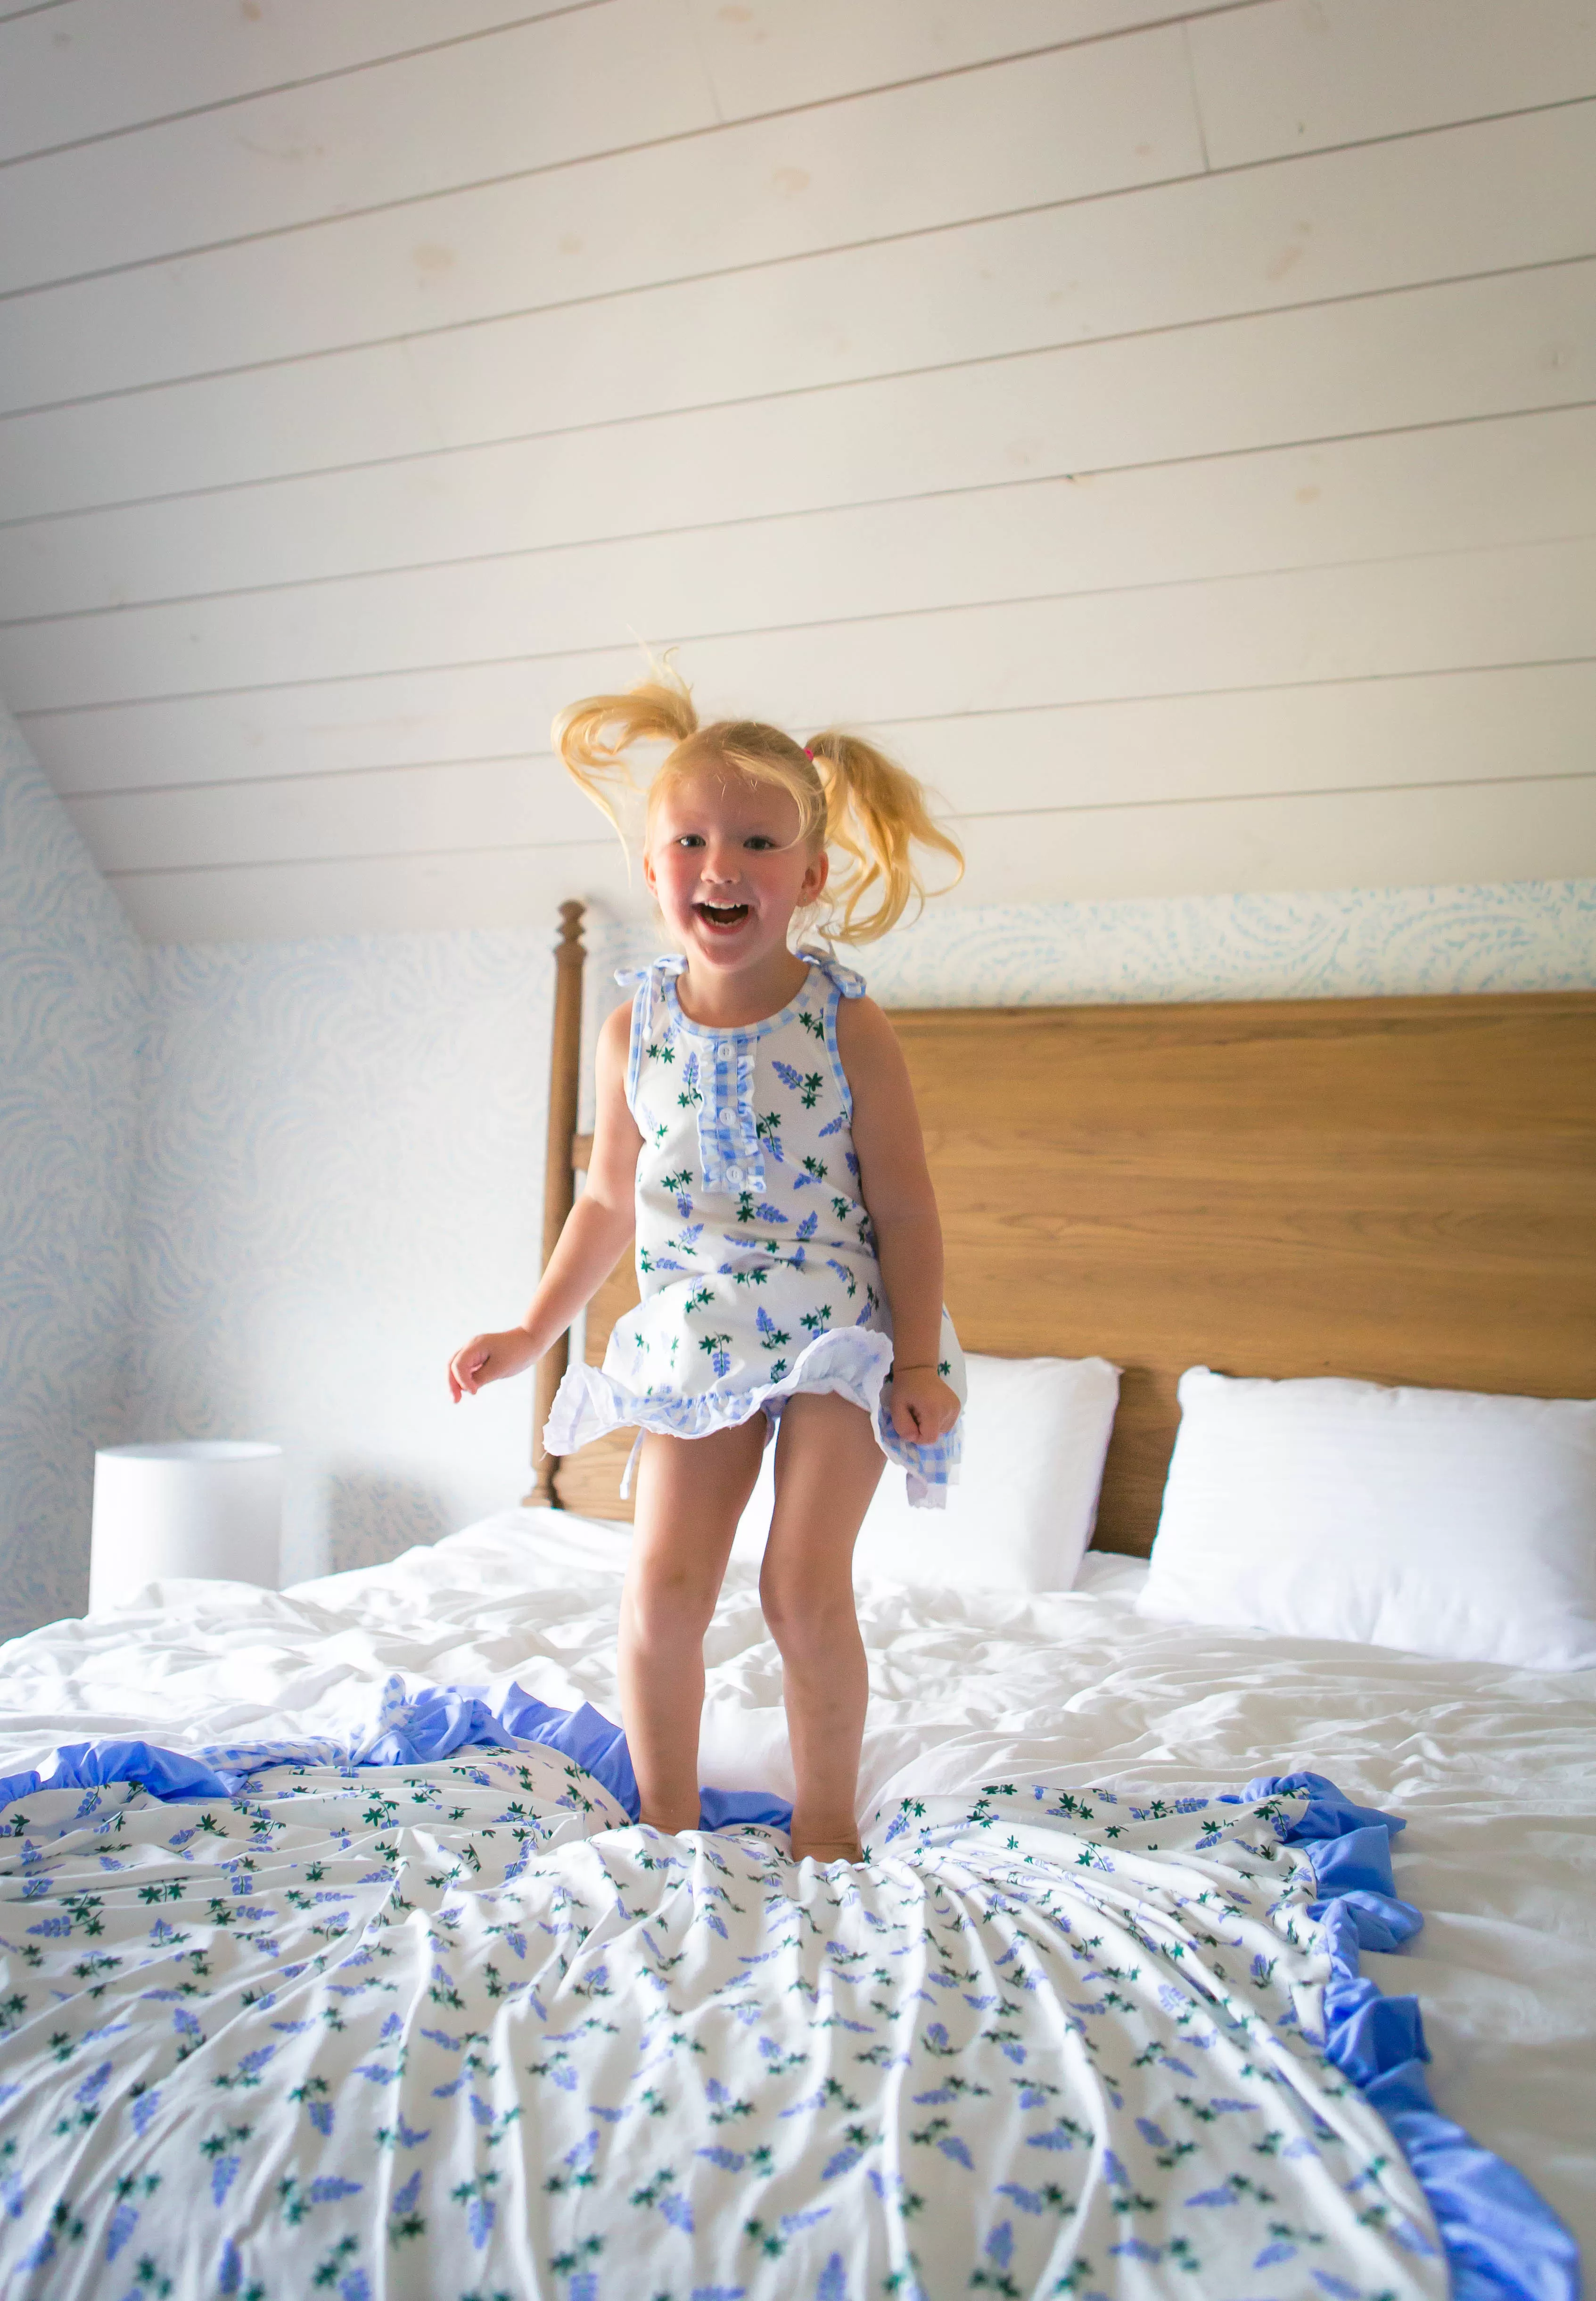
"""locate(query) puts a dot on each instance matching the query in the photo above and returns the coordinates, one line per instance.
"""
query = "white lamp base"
(210, 1507)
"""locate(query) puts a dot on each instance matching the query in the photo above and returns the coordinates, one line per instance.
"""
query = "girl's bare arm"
(595, 1234)
(895, 1187)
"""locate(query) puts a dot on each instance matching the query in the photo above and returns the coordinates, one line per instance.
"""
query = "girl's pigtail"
(876, 814)
(592, 736)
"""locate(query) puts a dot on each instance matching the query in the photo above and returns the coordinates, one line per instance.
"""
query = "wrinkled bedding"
(1494, 1770)
(345, 2032)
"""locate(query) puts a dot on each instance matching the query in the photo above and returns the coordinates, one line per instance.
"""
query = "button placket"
(729, 1148)
(753, 1158)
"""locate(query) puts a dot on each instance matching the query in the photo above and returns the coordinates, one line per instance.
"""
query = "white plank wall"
(1175, 425)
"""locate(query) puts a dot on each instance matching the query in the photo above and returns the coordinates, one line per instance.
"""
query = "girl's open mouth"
(722, 914)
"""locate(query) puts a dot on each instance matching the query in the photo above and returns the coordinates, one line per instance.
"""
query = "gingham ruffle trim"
(852, 1362)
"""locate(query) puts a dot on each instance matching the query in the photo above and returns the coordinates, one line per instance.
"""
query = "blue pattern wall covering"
(1352, 943)
(71, 1010)
(340, 1181)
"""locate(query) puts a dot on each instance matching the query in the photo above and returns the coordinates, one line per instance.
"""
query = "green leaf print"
(330, 2267)
(546, 1965)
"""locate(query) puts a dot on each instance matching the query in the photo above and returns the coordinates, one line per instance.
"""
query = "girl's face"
(726, 866)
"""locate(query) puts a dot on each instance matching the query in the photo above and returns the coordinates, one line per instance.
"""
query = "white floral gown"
(754, 1253)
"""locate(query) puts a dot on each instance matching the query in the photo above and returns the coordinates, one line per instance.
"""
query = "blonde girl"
(755, 1131)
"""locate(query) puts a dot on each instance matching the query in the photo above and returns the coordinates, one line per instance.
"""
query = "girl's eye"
(759, 840)
(690, 839)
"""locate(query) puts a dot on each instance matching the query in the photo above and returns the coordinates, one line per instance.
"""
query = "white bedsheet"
(1494, 1769)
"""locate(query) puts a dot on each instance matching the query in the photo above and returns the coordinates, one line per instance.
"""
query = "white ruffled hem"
(851, 1361)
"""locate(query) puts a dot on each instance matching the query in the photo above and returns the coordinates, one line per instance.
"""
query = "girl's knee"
(805, 1618)
(668, 1605)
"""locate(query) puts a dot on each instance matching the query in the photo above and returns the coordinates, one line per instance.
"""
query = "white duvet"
(1494, 1770)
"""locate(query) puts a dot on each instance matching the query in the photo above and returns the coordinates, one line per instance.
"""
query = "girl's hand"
(488, 1358)
(924, 1408)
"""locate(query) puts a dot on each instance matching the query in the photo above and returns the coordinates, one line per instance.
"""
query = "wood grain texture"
(384, 895)
(590, 1481)
(1283, 76)
(1486, 197)
(402, 128)
(559, 1179)
(1452, 728)
(1447, 727)
(373, 372)
(1537, 828)
(779, 53)
(449, 134)
(391, 550)
(1425, 835)
(755, 193)
(117, 68)
(1510, 604)
(1399, 1190)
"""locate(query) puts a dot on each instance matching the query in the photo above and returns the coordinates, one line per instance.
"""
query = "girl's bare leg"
(690, 1494)
(827, 1467)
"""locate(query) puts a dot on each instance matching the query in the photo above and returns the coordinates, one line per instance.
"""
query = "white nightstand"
(210, 1507)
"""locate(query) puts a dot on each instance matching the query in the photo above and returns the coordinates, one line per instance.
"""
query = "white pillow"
(1445, 1521)
(1036, 1431)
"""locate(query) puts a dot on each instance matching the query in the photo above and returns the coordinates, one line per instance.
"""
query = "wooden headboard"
(1399, 1189)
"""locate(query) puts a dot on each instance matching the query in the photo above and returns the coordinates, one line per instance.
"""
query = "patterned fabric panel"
(454, 2028)
(756, 1256)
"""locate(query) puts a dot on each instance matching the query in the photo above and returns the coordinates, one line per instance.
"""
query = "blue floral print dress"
(755, 1254)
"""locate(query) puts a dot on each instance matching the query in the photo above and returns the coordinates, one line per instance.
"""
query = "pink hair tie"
(808, 754)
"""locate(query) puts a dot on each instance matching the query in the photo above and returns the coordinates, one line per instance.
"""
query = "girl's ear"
(648, 872)
(815, 878)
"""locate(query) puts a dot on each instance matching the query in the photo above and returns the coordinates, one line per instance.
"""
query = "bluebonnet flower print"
(739, 1107)
(420, 2039)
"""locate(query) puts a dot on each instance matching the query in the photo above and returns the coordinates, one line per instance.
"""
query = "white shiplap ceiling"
(1175, 428)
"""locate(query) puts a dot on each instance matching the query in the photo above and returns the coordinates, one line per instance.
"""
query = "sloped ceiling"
(1175, 429)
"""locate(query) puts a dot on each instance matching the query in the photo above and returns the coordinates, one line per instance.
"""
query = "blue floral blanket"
(461, 2027)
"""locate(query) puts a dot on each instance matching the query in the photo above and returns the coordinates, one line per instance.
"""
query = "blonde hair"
(849, 795)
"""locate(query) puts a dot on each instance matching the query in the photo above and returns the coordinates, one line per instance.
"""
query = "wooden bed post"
(559, 1172)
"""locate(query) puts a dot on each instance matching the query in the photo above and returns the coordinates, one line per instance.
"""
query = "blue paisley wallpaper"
(71, 1010)
(262, 1191)
(1350, 943)
(340, 1181)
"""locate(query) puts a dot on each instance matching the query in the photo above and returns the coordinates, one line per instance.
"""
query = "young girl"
(756, 1128)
